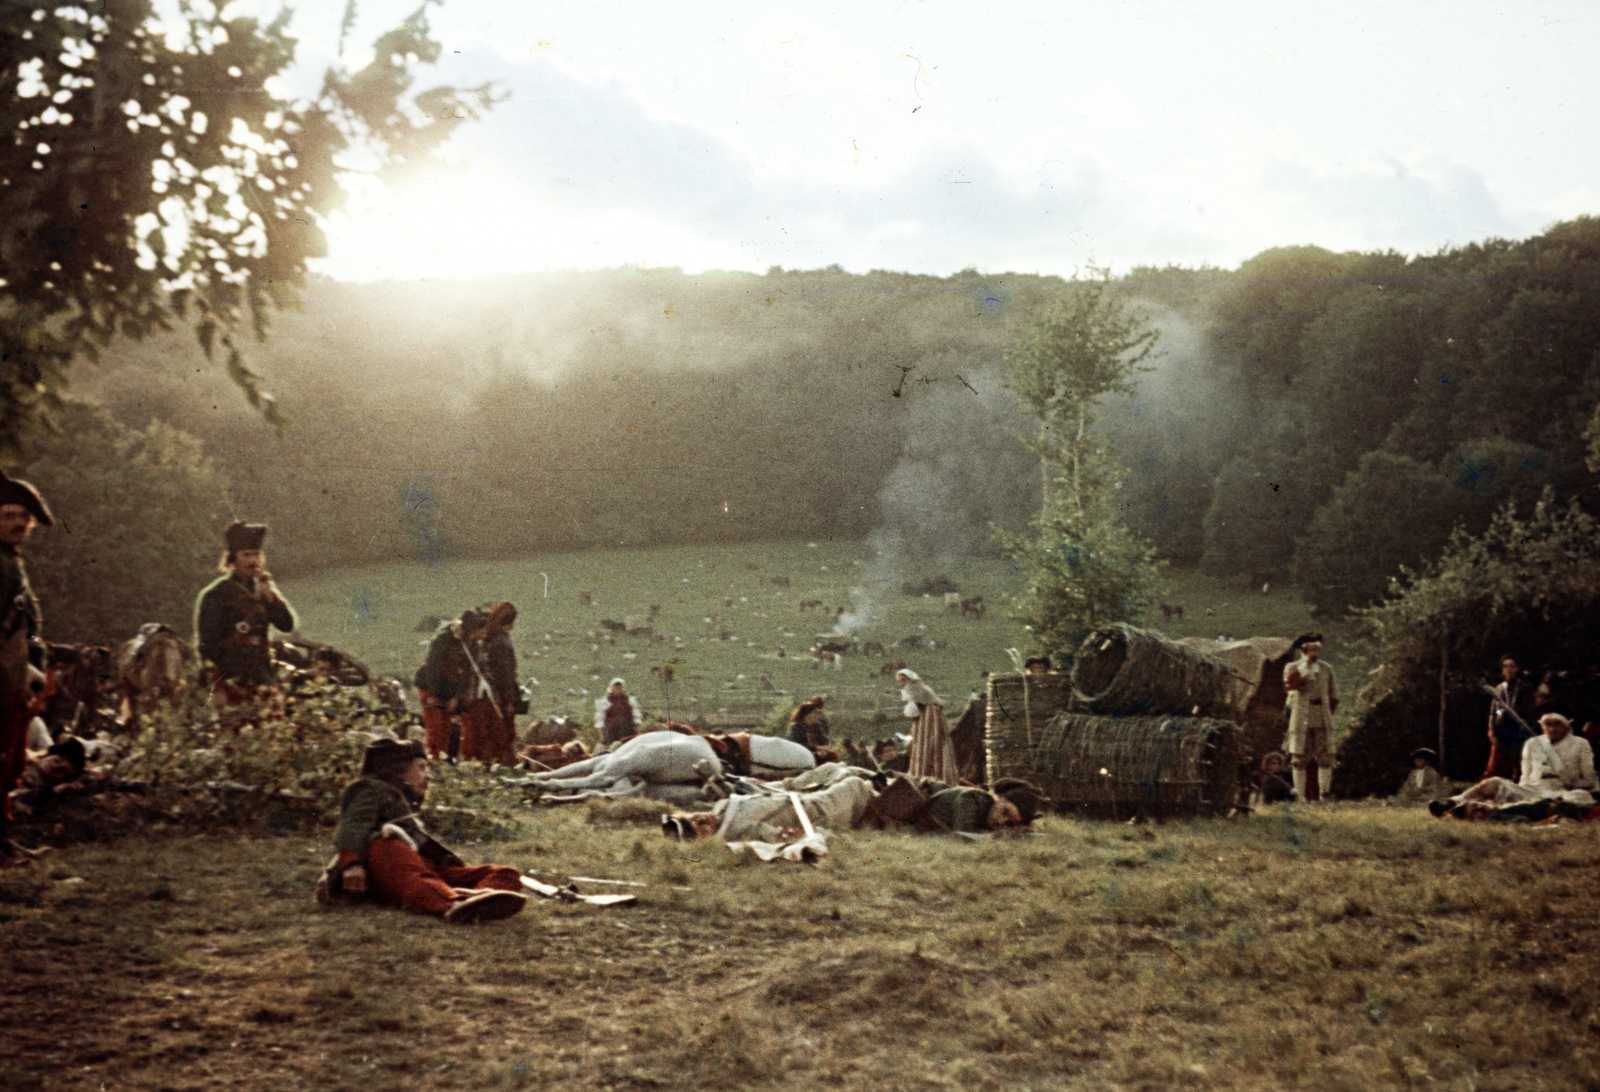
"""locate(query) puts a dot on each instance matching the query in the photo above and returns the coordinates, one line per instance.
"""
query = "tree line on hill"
(1317, 417)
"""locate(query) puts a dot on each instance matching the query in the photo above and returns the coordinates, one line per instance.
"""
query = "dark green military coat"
(230, 626)
(19, 624)
(366, 806)
(447, 674)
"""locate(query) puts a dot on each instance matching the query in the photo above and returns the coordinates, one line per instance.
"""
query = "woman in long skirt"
(932, 754)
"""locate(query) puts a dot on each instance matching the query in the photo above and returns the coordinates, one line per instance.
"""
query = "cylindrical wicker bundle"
(1120, 766)
(1124, 671)
(1019, 707)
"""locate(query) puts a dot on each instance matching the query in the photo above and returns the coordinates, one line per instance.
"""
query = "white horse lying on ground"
(657, 758)
(774, 757)
(672, 758)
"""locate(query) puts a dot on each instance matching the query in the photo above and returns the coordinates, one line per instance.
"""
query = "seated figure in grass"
(1422, 783)
(1556, 765)
(385, 853)
(1275, 788)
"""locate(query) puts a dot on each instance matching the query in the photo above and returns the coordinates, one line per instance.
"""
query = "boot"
(1324, 780)
(1299, 783)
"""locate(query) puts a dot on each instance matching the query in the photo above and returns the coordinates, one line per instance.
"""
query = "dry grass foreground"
(1342, 947)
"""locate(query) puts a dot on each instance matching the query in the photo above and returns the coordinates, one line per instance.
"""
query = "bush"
(289, 773)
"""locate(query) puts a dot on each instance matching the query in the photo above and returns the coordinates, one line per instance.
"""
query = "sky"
(933, 137)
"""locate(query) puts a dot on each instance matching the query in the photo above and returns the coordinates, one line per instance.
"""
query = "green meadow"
(723, 621)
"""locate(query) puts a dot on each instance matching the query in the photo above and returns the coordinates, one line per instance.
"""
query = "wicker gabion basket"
(1018, 709)
(1125, 671)
(1117, 767)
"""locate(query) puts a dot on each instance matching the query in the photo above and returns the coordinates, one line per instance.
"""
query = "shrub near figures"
(288, 773)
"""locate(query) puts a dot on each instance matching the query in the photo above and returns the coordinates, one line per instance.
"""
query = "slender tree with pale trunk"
(1084, 568)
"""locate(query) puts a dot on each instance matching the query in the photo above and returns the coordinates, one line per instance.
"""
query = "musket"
(1510, 712)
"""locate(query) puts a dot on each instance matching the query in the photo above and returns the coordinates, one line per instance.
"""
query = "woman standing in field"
(617, 714)
(932, 754)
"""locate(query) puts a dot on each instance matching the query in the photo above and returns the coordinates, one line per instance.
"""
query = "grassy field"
(1341, 946)
(707, 592)
(1334, 947)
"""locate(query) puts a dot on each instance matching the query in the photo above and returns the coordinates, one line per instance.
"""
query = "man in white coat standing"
(1313, 699)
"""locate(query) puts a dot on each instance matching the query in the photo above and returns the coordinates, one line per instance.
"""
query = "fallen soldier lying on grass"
(385, 854)
(838, 797)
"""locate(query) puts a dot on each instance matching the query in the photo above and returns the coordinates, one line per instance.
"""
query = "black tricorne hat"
(240, 535)
(1305, 639)
(17, 491)
(386, 757)
(71, 748)
(1426, 752)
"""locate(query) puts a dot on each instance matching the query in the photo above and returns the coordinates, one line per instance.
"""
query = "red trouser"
(485, 735)
(1503, 762)
(435, 726)
(398, 873)
(13, 755)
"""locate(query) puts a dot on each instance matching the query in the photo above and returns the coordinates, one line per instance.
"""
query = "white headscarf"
(915, 692)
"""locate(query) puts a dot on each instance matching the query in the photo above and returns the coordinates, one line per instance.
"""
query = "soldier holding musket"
(233, 615)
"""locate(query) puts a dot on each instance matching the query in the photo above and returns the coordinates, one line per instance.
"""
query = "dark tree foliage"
(151, 177)
(1393, 512)
(1343, 355)
(1528, 585)
(139, 511)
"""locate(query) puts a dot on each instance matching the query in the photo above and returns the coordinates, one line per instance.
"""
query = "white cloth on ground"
(760, 818)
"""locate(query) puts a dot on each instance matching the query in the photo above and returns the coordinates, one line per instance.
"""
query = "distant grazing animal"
(150, 668)
(585, 598)
(637, 623)
(914, 641)
(952, 600)
(810, 604)
(974, 607)
(612, 625)
(1171, 612)
(889, 668)
(778, 581)
(828, 642)
(873, 648)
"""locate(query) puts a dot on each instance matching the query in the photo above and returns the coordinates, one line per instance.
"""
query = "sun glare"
(467, 225)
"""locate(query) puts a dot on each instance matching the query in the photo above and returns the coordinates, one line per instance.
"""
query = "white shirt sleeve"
(1584, 755)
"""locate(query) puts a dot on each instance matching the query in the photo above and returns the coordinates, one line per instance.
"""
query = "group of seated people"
(1556, 780)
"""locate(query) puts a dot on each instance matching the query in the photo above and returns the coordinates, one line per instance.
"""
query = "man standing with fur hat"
(21, 656)
(233, 614)
(1313, 699)
(385, 852)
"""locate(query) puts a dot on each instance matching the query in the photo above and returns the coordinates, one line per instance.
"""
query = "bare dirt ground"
(1341, 947)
